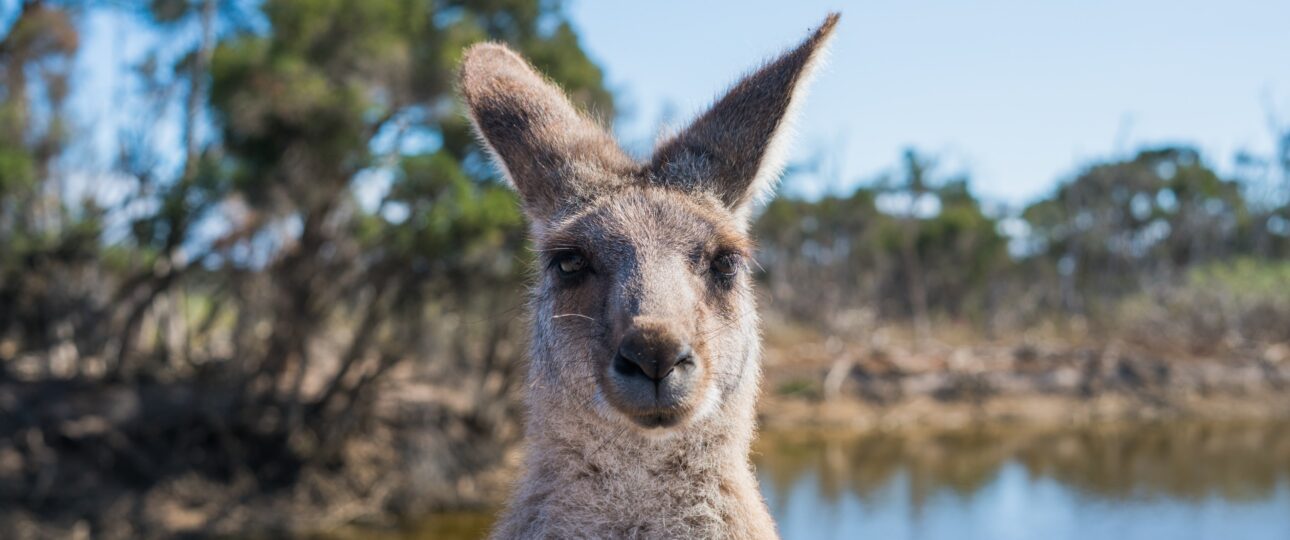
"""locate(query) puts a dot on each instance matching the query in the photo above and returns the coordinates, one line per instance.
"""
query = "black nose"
(651, 355)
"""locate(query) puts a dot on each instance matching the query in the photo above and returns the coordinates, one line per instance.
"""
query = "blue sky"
(1017, 93)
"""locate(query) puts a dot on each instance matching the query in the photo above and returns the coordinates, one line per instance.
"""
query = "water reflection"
(1174, 481)
(1159, 481)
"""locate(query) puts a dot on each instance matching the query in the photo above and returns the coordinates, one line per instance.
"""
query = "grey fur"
(650, 233)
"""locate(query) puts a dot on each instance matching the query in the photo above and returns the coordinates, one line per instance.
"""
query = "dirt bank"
(823, 384)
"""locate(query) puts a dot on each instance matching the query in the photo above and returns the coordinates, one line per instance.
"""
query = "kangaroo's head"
(643, 309)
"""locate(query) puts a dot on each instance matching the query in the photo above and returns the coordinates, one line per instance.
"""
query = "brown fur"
(663, 245)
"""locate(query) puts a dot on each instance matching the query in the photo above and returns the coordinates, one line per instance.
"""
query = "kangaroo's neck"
(587, 476)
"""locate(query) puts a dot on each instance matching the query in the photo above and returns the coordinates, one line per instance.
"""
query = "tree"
(42, 237)
(1118, 226)
(295, 293)
(909, 249)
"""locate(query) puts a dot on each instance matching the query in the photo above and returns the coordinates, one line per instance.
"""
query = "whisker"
(562, 315)
(727, 325)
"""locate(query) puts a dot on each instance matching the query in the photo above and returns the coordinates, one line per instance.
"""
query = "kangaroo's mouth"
(660, 420)
(651, 403)
(652, 412)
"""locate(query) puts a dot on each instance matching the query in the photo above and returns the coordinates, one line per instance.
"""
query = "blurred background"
(1028, 273)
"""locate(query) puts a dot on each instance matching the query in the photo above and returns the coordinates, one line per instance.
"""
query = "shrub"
(1226, 305)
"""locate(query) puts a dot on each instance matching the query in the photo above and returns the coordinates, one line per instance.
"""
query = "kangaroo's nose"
(651, 354)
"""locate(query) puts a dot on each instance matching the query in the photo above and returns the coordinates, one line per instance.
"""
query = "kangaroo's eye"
(570, 264)
(727, 265)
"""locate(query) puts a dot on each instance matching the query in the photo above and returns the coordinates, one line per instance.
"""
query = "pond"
(1175, 481)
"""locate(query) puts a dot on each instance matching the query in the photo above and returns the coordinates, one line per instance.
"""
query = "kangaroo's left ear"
(736, 150)
(554, 155)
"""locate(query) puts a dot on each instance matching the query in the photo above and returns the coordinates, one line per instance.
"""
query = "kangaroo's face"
(648, 304)
(643, 309)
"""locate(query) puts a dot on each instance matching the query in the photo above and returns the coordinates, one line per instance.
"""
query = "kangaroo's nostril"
(686, 356)
(627, 367)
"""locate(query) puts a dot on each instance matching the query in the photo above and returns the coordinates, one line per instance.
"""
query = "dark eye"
(727, 265)
(570, 264)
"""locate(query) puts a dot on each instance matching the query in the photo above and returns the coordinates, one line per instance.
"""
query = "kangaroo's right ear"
(552, 154)
(736, 150)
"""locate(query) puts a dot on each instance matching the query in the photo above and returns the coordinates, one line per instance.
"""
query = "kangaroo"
(645, 354)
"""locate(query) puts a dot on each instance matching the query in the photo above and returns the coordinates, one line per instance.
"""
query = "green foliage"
(799, 387)
(858, 255)
(451, 217)
(1117, 221)
(17, 170)
(1245, 280)
(44, 241)
(1240, 302)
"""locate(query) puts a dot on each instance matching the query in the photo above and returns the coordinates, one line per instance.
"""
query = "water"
(1133, 482)
(1177, 482)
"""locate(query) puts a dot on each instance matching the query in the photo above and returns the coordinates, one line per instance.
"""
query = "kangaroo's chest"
(587, 508)
(654, 499)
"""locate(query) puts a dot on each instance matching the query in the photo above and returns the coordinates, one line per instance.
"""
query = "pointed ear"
(552, 154)
(736, 150)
